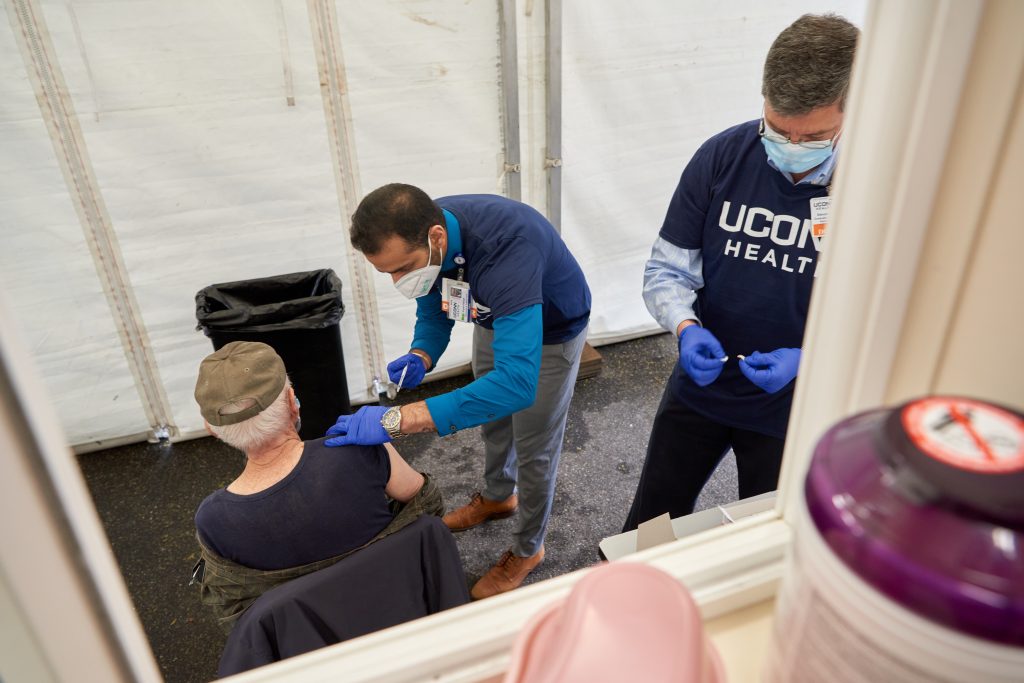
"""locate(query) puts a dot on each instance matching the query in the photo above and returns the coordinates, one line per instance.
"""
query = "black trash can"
(299, 315)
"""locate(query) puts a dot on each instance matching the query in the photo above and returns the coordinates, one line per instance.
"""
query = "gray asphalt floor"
(147, 494)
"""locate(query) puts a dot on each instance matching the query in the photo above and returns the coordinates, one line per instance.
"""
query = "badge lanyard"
(455, 298)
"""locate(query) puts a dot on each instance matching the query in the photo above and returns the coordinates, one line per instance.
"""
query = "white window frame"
(910, 73)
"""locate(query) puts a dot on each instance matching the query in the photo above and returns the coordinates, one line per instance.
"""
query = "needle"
(401, 379)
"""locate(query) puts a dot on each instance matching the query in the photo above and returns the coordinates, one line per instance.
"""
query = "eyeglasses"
(770, 135)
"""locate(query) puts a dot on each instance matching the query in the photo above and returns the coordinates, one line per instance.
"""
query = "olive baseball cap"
(239, 371)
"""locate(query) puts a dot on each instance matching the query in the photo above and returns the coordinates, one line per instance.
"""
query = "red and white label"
(967, 434)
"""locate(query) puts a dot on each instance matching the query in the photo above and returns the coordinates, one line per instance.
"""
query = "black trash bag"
(296, 301)
(299, 316)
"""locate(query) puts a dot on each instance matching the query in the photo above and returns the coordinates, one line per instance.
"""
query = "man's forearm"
(416, 418)
(672, 277)
(433, 329)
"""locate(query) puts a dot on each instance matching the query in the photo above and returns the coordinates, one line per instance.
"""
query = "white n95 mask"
(417, 283)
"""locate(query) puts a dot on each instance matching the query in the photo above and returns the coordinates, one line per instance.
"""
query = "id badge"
(455, 300)
(820, 208)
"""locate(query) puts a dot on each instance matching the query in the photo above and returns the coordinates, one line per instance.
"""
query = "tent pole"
(553, 98)
(334, 92)
(510, 97)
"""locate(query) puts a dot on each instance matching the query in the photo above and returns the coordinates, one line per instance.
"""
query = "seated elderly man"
(297, 506)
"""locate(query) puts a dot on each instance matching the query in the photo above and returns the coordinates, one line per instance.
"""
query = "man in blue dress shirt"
(731, 273)
(499, 265)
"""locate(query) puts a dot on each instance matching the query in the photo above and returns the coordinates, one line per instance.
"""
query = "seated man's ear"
(293, 403)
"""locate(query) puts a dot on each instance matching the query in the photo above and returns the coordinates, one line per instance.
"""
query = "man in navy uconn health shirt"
(731, 273)
(501, 266)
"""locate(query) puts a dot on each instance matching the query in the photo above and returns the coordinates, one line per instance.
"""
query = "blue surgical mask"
(793, 158)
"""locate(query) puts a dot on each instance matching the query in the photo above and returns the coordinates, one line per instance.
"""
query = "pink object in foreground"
(622, 622)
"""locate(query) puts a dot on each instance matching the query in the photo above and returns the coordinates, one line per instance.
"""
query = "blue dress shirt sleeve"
(508, 388)
(672, 277)
(433, 329)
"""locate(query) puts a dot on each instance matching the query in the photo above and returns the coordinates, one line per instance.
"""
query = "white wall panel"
(426, 110)
(48, 275)
(208, 174)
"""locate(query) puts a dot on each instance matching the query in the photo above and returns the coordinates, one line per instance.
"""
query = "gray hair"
(808, 66)
(260, 430)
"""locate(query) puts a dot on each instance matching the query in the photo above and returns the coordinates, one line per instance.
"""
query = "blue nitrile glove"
(362, 428)
(413, 376)
(773, 370)
(701, 355)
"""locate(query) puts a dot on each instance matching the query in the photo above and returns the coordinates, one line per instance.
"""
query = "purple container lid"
(925, 503)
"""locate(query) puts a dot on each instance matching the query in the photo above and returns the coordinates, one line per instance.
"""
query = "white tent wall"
(49, 277)
(210, 175)
(426, 108)
(205, 126)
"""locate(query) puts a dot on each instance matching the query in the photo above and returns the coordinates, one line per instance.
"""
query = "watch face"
(966, 434)
(392, 419)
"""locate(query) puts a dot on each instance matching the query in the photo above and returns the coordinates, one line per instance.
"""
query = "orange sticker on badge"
(820, 207)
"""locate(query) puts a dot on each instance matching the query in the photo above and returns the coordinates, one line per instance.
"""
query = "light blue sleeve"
(672, 277)
(433, 328)
(508, 388)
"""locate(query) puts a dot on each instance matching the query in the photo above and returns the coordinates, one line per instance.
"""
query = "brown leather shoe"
(479, 510)
(506, 575)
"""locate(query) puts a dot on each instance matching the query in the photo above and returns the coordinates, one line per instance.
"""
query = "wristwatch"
(391, 421)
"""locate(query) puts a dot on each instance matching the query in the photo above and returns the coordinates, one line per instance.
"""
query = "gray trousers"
(524, 447)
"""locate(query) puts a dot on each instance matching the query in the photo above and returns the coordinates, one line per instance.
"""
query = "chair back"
(410, 574)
